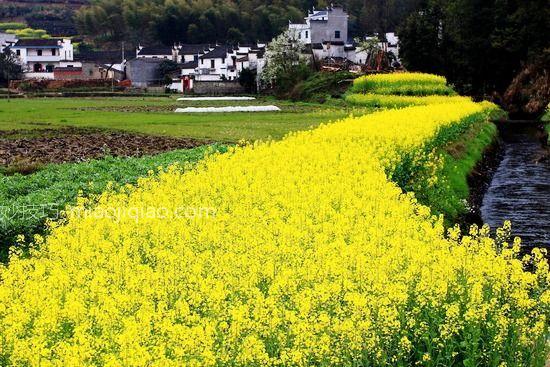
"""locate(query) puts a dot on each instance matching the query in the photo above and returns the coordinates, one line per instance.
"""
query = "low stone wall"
(30, 85)
(217, 87)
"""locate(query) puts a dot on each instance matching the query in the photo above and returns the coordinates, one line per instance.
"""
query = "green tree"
(480, 45)
(247, 78)
(166, 69)
(286, 63)
(9, 67)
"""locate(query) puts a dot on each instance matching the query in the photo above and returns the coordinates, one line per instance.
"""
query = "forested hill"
(223, 20)
(54, 16)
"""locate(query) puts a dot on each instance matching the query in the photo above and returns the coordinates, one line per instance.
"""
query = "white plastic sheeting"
(216, 99)
(228, 109)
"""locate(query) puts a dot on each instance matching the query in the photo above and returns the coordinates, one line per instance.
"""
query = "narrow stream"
(520, 188)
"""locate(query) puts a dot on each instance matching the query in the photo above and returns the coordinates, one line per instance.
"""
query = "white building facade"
(39, 57)
(326, 32)
(220, 62)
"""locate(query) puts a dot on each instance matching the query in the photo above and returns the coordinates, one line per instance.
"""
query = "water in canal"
(520, 188)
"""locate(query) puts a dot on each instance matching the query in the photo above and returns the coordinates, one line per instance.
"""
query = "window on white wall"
(336, 34)
(307, 34)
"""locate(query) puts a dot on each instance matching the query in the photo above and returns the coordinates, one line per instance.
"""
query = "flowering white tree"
(283, 55)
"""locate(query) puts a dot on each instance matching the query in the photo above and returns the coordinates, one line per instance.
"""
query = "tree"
(247, 78)
(479, 45)
(369, 45)
(9, 67)
(420, 41)
(166, 68)
(285, 61)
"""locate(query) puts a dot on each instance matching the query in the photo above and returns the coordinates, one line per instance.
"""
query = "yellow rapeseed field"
(411, 84)
(293, 253)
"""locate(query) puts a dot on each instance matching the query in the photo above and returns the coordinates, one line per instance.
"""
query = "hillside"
(54, 16)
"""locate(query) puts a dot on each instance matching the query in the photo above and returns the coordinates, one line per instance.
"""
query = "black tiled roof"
(40, 42)
(147, 51)
(334, 43)
(190, 65)
(317, 46)
(193, 49)
(219, 52)
(104, 57)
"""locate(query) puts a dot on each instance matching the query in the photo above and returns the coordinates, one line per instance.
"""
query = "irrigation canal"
(520, 188)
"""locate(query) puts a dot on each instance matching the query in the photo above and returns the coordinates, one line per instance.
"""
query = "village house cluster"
(323, 32)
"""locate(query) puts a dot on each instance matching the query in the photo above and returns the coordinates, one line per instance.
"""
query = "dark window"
(49, 68)
(37, 68)
(18, 52)
(39, 52)
(202, 61)
(53, 51)
(196, 57)
(212, 64)
(336, 34)
(307, 34)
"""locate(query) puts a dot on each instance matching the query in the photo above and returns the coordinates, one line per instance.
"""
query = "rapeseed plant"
(314, 257)
(404, 84)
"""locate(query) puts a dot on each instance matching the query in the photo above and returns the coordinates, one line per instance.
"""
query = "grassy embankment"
(546, 119)
(454, 156)
(460, 158)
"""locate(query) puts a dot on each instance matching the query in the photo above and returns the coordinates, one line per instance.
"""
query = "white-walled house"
(192, 52)
(392, 44)
(389, 44)
(214, 63)
(325, 31)
(218, 64)
(224, 62)
(157, 52)
(39, 57)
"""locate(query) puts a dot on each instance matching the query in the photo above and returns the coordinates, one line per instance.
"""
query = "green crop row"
(26, 202)
(389, 101)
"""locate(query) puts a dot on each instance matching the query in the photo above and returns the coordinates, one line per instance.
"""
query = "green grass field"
(156, 116)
